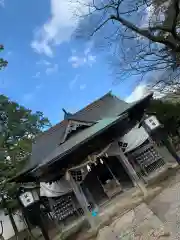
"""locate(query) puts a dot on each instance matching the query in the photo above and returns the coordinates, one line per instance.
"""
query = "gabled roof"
(108, 106)
(80, 138)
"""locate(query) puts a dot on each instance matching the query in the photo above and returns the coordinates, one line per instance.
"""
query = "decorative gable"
(74, 126)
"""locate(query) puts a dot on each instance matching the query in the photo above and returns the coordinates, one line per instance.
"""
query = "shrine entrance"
(105, 180)
(93, 188)
(119, 172)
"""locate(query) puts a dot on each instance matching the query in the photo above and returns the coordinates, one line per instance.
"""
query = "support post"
(131, 172)
(82, 201)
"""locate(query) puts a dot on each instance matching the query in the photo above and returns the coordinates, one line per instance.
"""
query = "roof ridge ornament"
(66, 114)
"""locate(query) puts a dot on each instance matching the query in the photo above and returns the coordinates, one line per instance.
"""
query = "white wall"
(8, 229)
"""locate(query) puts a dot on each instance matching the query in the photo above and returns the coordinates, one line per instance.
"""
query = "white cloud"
(49, 67)
(77, 61)
(42, 47)
(141, 91)
(73, 82)
(43, 62)
(80, 60)
(82, 87)
(37, 75)
(52, 69)
(59, 27)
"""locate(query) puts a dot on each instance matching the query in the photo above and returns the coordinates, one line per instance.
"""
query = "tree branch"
(103, 7)
(101, 25)
(143, 32)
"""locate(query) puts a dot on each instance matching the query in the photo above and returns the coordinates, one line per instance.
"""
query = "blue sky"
(48, 70)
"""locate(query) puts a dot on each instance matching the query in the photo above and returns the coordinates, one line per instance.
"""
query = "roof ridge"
(118, 98)
(94, 102)
(51, 129)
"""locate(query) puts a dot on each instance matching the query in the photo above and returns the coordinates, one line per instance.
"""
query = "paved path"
(167, 206)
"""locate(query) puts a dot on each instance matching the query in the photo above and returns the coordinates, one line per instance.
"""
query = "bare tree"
(143, 36)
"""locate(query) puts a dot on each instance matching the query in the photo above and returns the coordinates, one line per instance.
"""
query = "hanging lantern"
(151, 123)
(101, 161)
(88, 168)
(28, 195)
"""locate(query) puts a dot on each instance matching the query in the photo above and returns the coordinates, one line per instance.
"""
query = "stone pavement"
(167, 206)
(137, 224)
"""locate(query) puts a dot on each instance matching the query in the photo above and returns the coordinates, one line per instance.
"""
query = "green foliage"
(3, 63)
(18, 128)
(168, 113)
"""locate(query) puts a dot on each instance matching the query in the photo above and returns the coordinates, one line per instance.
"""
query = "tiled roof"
(80, 138)
(107, 106)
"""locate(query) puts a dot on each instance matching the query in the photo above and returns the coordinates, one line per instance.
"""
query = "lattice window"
(63, 207)
(148, 158)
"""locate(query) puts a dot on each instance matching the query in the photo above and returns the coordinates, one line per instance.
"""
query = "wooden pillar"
(131, 172)
(82, 200)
